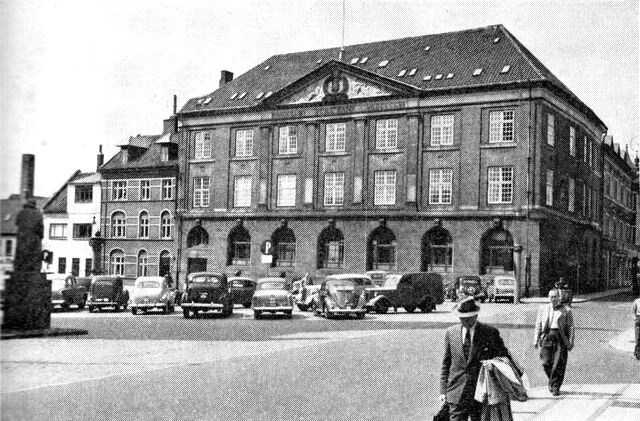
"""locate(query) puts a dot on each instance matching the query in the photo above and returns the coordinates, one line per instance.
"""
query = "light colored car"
(272, 295)
(377, 276)
(343, 295)
(502, 288)
(152, 292)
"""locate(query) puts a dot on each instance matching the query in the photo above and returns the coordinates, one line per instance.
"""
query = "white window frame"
(440, 186)
(286, 195)
(288, 140)
(145, 189)
(502, 126)
(500, 185)
(387, 134)
(53, 228)
(119, 230)
(167, 188)
(334, 189)
(201, 194)
(143, 263)
(203, 146)
(551, 129)
(165, 225)
(384, 188)
(119, 190)
(242, 191)
(571, 207)
(143, 224)
(572, 141)
(117, 262)
(442, 130)
(336, 137)
(549, 188)
(244, 142)
(585, 156)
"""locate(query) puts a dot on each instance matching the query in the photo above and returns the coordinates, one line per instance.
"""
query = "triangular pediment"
(338, 82)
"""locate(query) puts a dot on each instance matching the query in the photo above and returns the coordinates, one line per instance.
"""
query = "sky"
(76, 74)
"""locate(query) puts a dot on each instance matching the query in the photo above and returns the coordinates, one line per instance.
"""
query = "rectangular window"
(501, 126)
(167, 189)
(244, 143)
(385, 188)
(82, 230)
(164, 154)
(58, 231)
(440, 186)
(286, 190)
(334, 189)
(594, 154)
(145, 189)
(87, 267)
(119, 190)
(551, 130)
(201, 192)
(572, 141)
(203, 145)
(242, 192)
(585, 156)
(336, 137)
(84, 194)
(75, 266)
(8, 247)
(387, 134)
(500, 188)
(288, 140)
(572, 195)
(585, 202)
(549, 198)
(442, 130)
(62, 264)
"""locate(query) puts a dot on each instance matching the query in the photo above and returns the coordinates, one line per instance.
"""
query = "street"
(383, 367)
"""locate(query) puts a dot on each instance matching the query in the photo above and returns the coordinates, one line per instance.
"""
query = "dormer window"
(242, 95)
(402, 72)
(124, 156)
(364, 60)
(383, 63)
(505, 69)
(164, 153)
(413, 72)
(84, 193)
(233, 96)
(355, 60)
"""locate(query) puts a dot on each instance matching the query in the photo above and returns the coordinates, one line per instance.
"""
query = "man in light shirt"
(636, 317)
(554, 334)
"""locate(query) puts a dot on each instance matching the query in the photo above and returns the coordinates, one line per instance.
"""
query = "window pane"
(385, 188)
(335, 137)
(286, 190)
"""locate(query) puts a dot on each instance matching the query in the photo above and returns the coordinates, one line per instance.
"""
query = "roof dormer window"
(427, 48)
(438, 77)
(413, 72)
(383, 63)
(242, 95)
(364, 60)
(477, 72)
(505, 69)
(206, 101)
(427, 77)
(319, 61)
(268, 94)
(233, 96)
(496, 40)
(267, 67)
(355, 60)
(450, 76)
(259, 95)
(402, 72)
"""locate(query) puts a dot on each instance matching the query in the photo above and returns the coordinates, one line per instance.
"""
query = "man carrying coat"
(466, 345)
(554, 334)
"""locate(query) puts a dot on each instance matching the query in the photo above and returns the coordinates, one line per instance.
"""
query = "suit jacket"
(565, 324)
(459, 375)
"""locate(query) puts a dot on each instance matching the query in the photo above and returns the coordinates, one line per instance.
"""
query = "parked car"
(305, 298)
(152, 292)
(242, 289)
(65, 292)
(423, 290)
(107, 291)
(377, 276)
(206, 291)
(502, 287)
(343, 294)
(272, 296)
(470, 286)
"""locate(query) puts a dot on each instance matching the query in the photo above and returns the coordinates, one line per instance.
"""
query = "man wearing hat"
(466, 345)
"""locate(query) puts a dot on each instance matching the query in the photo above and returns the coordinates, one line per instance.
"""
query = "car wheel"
(482, 300)
(82, 303)
(247, 305)
(172, 309)
(186, 313)
(90, 309)
(289, 314)
(360, 315)
(327, 313)
(64, 306)
(409, 309)
(134, 311)
(381, 307)
(165, 309)
(125, 306)
(117, 307)
(426, 308)
(257, 314)
(302, 307)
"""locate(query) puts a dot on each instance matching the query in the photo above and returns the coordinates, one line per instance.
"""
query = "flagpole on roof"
(342, 44)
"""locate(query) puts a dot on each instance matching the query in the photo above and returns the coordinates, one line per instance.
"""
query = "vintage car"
(306, 295)
(107, 291)
(501, 287)
(272, 296)
(377, 276)
(469, 286)
(206, 291)
(152, 292)
(342, 295)
(65, 292)
(242, 289)
(421, 290)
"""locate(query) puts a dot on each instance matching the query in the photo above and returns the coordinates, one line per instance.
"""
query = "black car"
(107, 291)
(469, 286)
(206, 291)
(421, 290)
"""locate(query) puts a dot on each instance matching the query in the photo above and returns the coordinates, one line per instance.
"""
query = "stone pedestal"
(27, 302)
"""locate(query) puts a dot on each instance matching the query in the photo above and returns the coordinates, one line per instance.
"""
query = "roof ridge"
(523, 51)
(57, 193)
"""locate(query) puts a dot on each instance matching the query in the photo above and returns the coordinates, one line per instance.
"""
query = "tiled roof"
(9, 208)
(140, 141)
(87, 178)
(458, 54)
(150, 158)
(58, 202)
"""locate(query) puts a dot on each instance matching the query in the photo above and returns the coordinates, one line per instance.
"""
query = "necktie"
(466, 345)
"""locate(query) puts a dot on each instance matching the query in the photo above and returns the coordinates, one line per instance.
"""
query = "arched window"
(197, 236)
(165, 225)
(118, 225)
(164, 263)
(330, 248)
(496, 252)
(117, 262)
(143, 225)
(143, 263)
(239, 246)
(284, 242)
(381, 249)
(437, 250)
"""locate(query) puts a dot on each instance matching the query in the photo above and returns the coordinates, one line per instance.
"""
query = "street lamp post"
(517, 253)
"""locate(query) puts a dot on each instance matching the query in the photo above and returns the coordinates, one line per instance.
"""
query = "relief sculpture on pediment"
(341, 86)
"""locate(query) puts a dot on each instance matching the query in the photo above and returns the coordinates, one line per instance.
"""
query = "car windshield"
(340, 283)
(392, 281)
(205, 279)
(506, 281)
(271, 285)
(469, 281)
(149, 284)
(57, 283)
(356, 281)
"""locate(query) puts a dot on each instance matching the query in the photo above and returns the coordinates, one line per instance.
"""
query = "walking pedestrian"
(636, 316)
(554, 334)
(466, 345)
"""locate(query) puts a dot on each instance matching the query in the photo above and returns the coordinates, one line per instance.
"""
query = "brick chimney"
(100, 158)
(225, 77)
(27, 176)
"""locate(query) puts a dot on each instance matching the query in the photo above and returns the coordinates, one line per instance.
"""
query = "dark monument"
(96, 243)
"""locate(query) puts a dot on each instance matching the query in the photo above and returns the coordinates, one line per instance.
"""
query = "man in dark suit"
(466, 346)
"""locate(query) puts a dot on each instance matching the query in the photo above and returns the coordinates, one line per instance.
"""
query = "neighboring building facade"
(620, 248)
(71, 217)
(138, 208)
(458, 153)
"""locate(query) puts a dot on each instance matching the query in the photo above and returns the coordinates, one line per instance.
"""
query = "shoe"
(555, 392)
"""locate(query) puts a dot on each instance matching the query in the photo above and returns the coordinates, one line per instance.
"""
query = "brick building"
(458, 152)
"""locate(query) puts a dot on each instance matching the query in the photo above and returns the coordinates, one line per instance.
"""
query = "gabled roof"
(150, 158)
(9, 208)
(457, 54)
(58, 202)
(140, 141)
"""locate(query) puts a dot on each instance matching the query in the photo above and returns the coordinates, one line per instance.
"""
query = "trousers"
(553, 354)
(465, 410)
(637, 350)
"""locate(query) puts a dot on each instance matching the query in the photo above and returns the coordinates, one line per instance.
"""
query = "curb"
(23, 334)
(582, 298)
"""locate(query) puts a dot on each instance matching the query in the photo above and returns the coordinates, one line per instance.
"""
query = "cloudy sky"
(76, 74)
